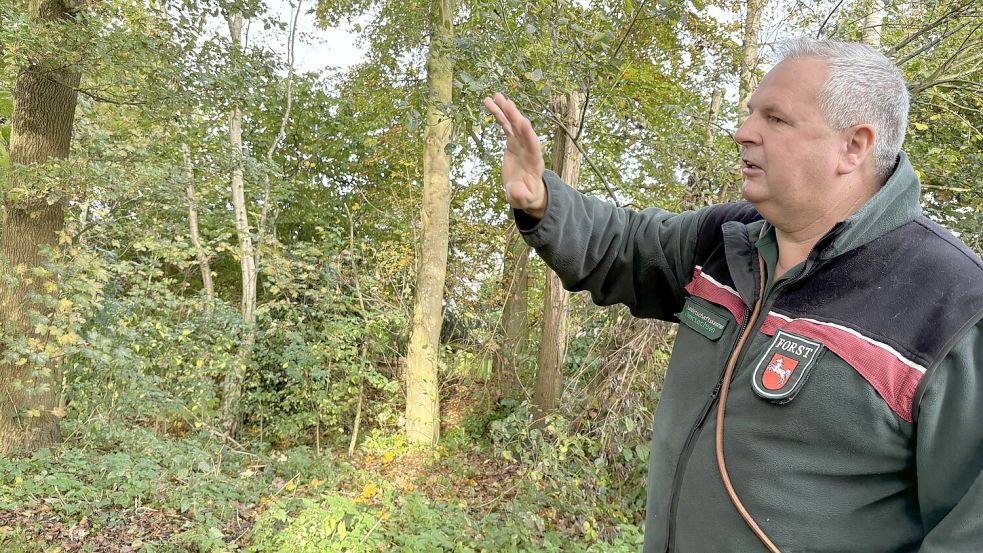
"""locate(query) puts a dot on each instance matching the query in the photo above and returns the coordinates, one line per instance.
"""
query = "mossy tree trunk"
(514, 331)
(45, 96)
(553, 342)
(423, 351)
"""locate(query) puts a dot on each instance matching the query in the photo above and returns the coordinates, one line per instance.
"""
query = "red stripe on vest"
(702, 287)
(894, 380)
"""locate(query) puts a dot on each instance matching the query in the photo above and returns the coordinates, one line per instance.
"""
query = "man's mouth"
(748, 165)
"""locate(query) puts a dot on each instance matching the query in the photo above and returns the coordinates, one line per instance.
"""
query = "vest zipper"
(684, 455)
(745, 327)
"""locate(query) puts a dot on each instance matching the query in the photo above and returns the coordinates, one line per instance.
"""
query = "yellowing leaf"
(64, 305)
(69, 339)
(369, 490)
(59, 412)
(315, 483)
(33, 413)
(388, 457)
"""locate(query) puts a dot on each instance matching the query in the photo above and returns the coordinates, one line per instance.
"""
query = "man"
(825, 391)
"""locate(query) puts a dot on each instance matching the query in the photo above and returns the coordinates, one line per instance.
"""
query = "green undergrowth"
(127, 485)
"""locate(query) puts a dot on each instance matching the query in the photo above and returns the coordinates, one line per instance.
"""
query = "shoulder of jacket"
(716, 215)
(948, 249)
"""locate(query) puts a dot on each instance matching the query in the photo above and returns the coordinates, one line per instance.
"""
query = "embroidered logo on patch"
(783, 370)
(702, 319)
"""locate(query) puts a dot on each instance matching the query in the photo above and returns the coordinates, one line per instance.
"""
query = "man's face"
(789, 154)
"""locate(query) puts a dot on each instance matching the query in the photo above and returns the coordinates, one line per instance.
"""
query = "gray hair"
(863, 87)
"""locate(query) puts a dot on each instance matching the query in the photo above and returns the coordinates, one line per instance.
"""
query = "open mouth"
(748, 165)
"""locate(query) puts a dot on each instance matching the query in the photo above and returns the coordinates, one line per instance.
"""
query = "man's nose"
(745, 133)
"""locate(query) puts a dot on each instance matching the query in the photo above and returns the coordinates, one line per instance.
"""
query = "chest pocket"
(703, 317)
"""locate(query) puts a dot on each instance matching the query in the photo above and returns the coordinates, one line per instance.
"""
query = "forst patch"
(785, 366)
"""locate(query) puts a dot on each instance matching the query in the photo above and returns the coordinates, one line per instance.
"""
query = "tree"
(748, 69)
(44, 102)
(552, 345)
(514, 331)
(423, 353)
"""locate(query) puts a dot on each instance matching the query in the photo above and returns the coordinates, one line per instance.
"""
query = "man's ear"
(859, 147)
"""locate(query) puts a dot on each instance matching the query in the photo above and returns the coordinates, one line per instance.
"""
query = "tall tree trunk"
(515, 316)
(45, 96)
(553, 342)
(200, 255)
(873, 22)
(695, 195)
(247, 263)
(749, 56)
(748, 70)
(423, 352)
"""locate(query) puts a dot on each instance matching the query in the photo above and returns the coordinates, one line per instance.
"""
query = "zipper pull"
(709, 405)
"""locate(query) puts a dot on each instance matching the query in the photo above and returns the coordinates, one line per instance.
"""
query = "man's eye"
(775, 119)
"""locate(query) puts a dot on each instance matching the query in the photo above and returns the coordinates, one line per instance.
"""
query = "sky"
(316, 49)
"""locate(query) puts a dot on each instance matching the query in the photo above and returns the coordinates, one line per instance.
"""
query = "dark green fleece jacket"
(855, 413)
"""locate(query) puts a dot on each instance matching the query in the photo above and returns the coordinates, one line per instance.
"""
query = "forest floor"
(116, 486)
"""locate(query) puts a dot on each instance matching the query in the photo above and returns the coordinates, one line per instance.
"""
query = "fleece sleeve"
(641, 259)
(949, 452)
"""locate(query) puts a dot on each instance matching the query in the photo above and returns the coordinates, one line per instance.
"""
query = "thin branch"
(819, 33)
(944, 65)
(942, 19)
(282, 132)
(932, 44)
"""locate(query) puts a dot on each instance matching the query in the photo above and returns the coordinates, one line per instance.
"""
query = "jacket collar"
(897, 203)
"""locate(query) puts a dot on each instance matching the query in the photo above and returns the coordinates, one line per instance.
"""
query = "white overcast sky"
(316, 49)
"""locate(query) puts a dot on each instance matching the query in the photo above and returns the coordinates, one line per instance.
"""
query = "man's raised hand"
(522, 168)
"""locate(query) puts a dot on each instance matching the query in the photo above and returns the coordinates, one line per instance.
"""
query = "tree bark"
(200, 255)
(553, 342)
(423, 352)
(873, 22)
(45, 96)
(515, 316)
(247, 262)
(748, 70)
(695, 194)
(749, 58)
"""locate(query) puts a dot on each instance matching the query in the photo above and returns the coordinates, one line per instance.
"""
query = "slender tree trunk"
(748, 71)
(873, 23)
(423, 352)
(695, 195)
(202, 257)
(749, 58)
(715, 100)
(515, 316)
(45, 96)
(247, 262)
(553, 343)
(280, 136)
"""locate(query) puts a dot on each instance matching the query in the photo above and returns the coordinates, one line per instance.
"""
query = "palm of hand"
(522, 171)
(522, 168)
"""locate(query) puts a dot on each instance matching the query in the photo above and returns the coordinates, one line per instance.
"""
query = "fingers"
(512, 121)
(500, 117)
(520, 125)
